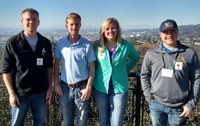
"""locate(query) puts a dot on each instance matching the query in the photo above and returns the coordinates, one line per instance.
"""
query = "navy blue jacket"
(22, 62)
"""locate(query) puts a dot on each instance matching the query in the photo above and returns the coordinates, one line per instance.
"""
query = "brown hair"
(30, 10)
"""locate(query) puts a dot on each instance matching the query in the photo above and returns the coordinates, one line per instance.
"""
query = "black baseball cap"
(168, 24)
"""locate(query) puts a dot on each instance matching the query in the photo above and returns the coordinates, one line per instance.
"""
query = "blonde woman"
(116, 57)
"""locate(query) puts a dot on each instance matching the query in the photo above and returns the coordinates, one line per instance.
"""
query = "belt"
(75, 85)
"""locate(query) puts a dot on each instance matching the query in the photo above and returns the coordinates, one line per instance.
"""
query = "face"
(73, 26)
(30, 22)
(111, 32)
(169, 37)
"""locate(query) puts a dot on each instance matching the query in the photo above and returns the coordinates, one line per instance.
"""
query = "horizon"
(83, 29)
(137, 14)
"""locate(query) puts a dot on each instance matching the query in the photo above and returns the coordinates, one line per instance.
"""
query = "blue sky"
(130, 13)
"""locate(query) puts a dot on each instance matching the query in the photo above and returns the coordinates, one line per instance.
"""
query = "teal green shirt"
(125, 58)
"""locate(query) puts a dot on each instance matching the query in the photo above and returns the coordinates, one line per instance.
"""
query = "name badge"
(167, 72)
(179, 66)
(39, 61)
(101, 55)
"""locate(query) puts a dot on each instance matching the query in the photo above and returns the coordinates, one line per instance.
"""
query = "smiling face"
(73, 26)
(169, 38)
(111, 32)
(30, 21)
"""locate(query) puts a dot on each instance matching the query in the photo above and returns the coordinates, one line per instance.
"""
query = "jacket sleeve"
(133, 58)
(146, 77)
(194, 93)
(8, 58)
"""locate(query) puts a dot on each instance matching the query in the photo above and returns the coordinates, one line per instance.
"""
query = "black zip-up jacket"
(28, 67)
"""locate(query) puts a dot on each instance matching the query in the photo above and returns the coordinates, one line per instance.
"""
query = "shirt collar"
(168, 50)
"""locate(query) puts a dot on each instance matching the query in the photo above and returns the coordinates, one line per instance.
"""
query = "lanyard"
(174, 62)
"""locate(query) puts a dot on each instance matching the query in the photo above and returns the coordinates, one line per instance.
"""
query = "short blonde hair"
(103, 29)
(74, 16)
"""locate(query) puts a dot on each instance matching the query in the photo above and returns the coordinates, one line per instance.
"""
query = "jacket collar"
(179, 48)
(21, 37)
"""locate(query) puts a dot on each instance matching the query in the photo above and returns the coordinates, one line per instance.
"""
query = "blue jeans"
(70, 101)
(161, 115)
(111, 107)
(37, 104)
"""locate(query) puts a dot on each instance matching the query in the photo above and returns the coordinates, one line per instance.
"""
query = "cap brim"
(168, 29)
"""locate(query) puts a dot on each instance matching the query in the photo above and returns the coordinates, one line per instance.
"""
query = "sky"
(129, 13)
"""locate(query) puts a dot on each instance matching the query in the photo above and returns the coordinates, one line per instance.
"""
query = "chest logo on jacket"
(180, 58)
(101, 53)
(179, 63)
(43, 52)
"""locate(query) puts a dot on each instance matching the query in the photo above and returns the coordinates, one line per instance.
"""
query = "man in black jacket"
(27, 71)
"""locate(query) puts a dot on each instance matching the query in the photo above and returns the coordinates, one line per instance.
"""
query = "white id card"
(101, 55)
(179, 66)
(39, 61)
(167, 72)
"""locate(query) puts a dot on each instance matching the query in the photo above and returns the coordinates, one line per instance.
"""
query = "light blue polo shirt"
(74, 59)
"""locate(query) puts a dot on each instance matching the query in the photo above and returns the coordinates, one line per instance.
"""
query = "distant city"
(188, 34)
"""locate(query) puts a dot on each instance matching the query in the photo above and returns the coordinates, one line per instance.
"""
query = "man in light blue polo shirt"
(77, 72)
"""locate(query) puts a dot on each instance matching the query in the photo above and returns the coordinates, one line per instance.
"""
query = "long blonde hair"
(103, 29)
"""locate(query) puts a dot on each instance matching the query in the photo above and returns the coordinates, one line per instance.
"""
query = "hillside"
(190, 31)
(187, 34)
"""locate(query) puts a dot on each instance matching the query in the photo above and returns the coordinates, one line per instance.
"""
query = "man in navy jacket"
(27, 71)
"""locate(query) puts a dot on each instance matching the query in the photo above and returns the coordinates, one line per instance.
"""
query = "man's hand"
(187, 112)
(58, 89)
(14, 100)
(49, 96)
(86, 92)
